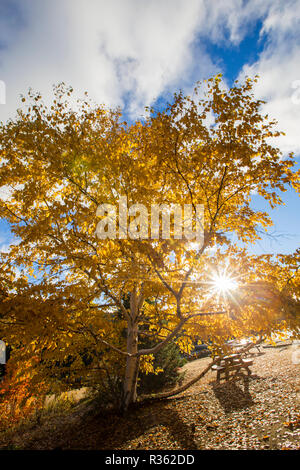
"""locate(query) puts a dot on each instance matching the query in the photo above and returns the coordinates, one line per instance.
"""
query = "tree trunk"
(132, 367)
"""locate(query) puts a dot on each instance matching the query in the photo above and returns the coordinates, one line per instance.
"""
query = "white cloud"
(279, 68)
(114, 49)
(117, 50)
(128, 52)
(4, 247)
(6, 191)
(228, 21)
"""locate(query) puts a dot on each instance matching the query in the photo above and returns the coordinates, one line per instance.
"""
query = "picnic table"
(238, 347)
(232, 366)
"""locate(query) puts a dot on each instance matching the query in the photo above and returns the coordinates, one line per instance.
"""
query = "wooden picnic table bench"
(237, 347)
(230, 367)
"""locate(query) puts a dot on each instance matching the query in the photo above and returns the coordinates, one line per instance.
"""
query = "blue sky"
(132, 53)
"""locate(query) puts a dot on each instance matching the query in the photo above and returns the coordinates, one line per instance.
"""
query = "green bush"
(169, 359)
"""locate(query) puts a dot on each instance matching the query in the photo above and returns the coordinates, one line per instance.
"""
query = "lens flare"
(223, 284)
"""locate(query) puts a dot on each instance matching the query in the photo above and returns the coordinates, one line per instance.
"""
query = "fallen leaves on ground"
(262, 413)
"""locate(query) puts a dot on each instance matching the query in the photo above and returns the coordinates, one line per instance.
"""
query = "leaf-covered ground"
(263, 413)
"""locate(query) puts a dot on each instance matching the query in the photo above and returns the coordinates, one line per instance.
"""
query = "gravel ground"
(262, 413)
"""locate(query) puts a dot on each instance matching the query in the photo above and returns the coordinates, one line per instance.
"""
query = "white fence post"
(2, 352)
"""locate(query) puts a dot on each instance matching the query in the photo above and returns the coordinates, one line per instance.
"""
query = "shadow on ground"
(234, 395)
(143, 420)
(112, 431)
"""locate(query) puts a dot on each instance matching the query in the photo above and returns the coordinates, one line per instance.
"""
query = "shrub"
(169, 360)
(20, 396)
